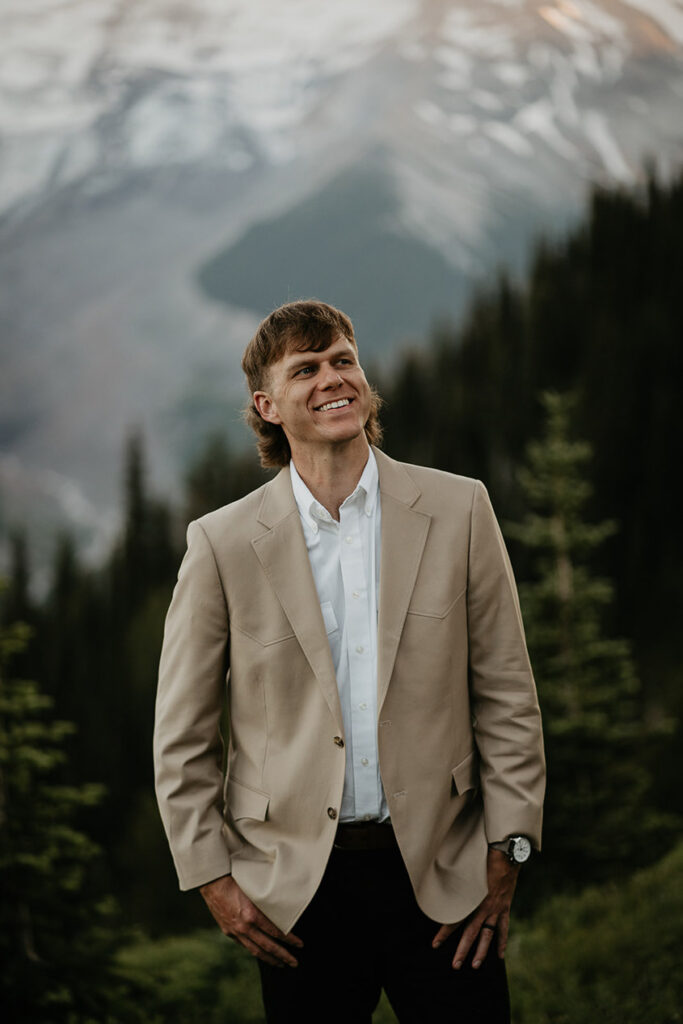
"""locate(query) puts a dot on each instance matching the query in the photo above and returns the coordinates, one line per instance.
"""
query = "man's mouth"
(338, 404)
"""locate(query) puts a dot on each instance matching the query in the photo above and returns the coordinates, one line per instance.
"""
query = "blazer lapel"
(282, 553)
(404, 533)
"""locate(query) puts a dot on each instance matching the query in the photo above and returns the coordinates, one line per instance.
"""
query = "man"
(385, 767)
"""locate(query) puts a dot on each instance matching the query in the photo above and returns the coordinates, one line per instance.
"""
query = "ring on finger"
(489, 927)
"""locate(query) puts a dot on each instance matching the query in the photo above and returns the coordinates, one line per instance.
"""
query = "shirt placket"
(360, 656)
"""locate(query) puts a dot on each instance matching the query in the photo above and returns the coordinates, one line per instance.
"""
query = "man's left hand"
(493, 911)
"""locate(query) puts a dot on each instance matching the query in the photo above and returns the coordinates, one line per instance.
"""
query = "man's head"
(306, 326)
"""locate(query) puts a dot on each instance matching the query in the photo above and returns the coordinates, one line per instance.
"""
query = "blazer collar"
(281, 550)
(404, 534)
(278, 500)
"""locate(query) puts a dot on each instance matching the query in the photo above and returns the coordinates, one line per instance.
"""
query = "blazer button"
(339, 741)
(331, 813)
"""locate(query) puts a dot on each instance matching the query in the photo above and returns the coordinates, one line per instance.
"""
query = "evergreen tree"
(146, 556)
(140, 572)
(17, 603)
(599, 819)
(56, 937)
(218, 476)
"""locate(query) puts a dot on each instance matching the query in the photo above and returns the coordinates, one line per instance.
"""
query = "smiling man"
(385, 767)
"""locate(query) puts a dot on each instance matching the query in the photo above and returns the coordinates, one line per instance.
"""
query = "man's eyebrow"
(307, 357)
(303, 360)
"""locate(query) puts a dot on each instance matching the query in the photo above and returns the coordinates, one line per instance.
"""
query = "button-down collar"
(313, 513)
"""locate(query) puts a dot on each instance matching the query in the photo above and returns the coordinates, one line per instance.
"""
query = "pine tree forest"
(561, 392)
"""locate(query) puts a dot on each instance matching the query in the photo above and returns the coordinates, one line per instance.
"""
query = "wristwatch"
(516, 848)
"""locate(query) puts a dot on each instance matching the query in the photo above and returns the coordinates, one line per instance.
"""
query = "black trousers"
(362, 932)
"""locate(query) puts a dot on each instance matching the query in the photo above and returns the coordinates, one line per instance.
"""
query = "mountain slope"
(169, 172)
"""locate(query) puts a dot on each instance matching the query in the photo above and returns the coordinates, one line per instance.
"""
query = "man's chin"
(346, 436)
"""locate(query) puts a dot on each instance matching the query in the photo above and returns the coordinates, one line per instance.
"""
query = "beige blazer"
(459, 730)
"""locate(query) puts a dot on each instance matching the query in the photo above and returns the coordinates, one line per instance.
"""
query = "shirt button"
(339, 741)
(364, 761)
(355, 594)
(315, 527)
(349, 540)
(363, 706)
(359, 649)
(331, 813)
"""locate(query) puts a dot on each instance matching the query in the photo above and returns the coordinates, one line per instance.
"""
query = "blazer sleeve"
(506, 715)
(188, 747)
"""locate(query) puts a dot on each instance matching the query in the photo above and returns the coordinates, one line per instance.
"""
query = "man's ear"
(266, 408)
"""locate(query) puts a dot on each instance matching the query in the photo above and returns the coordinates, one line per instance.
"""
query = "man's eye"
(304, 370)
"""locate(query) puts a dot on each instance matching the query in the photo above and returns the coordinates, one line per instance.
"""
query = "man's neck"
(332, 474)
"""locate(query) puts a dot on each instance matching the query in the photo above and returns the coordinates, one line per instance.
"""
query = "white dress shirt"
(344, 559)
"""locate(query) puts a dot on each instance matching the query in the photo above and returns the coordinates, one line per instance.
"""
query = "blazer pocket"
(466, 773)
(427, 609)
(245, 802)
(264, 640)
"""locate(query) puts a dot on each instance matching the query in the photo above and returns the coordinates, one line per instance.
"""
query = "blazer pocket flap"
(466, 773)
(245, 802)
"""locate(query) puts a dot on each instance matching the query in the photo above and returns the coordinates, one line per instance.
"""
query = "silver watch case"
(519, 849)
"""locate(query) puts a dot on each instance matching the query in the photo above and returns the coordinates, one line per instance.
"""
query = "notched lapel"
(404, 534)
(283, 555)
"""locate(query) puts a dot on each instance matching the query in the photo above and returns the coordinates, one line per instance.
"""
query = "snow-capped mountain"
(95, 89)
(172, 169)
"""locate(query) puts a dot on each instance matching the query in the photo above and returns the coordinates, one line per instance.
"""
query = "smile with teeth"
(338, 404)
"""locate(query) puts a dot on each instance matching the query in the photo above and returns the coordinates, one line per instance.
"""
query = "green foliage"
(145, 550)
(56, 936)
(218, 476)
(201, 977)
(598, 814)
(612, 955)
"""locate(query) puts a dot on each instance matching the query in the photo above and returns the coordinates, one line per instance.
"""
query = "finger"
(257, 951)
(485, 937)
(266, 925)
(265, 943)
(444, 931)
(468, 937)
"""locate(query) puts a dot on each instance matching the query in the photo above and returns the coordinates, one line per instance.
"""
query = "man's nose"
(329, 377)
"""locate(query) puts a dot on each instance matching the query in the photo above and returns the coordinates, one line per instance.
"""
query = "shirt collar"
(310, 509)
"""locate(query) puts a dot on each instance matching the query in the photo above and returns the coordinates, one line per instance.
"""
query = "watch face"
(521, 849)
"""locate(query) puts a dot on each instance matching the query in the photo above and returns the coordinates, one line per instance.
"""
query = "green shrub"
(612, 955)
(201, 977)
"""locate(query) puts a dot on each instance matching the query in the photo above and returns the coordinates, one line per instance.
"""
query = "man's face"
(318, 398)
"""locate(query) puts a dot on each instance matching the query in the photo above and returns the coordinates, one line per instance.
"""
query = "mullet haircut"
(307, 325)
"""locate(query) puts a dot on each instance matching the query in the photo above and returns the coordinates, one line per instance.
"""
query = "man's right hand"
(239, 918)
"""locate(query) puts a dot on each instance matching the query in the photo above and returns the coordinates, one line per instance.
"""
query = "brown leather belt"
(365, 835)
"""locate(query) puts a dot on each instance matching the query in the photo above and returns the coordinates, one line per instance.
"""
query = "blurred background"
(493, 191)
